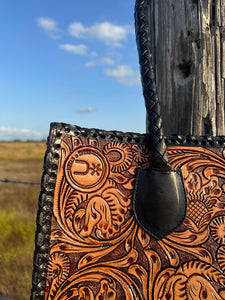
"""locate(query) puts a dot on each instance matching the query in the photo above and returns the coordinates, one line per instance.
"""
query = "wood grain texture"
(188, 45)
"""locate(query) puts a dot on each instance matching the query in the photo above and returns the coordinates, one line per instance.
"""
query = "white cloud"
(91, 64)
(10, 134)
(124, 75)
(107, 60)
(107, 32)
(76, 49)
(93, 54)
(49, 26)
(78, 30)
(87, 110)
(102, 61)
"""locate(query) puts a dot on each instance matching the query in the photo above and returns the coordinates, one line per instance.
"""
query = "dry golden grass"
(18, 151)
(18, 209)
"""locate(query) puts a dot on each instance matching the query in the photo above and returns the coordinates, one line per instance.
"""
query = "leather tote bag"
(131, 216)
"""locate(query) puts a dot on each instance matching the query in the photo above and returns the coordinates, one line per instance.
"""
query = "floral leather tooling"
(97, 249)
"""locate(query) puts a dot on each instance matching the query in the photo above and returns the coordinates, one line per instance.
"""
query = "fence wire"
(20, 182)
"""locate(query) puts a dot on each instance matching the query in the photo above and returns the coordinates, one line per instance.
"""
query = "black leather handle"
(159, 202)
(154, 120)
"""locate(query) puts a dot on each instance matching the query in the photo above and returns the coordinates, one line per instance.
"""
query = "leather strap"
(154, 120)
(159, 201)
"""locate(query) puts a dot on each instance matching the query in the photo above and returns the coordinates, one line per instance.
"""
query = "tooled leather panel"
(97, 249)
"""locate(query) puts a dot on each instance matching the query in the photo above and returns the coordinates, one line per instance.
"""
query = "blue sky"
(68, 61)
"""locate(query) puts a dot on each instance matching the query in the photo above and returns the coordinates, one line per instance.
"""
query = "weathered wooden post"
(188, 45)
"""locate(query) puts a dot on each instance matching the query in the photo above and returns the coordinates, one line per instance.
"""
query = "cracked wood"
(188, 45)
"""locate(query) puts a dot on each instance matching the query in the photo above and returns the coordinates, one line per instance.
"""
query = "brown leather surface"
(97, 249)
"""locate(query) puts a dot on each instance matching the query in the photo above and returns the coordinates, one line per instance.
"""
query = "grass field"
(18, 209)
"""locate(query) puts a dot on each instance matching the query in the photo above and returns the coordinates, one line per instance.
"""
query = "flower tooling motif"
(203, 195)
(97, 249)
(217, 227)
(58, 271)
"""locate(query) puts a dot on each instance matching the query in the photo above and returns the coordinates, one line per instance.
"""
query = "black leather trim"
(44, 216)
(131, 137)
(160, 202)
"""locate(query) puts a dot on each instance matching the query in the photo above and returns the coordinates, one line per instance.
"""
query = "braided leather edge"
(131, 137)
(44, 216)
(154, 120)
(43, 231)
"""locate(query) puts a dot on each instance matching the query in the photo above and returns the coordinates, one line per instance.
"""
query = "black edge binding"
(44, 216)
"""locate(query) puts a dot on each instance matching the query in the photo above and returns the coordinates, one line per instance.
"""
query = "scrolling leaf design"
(105, 252)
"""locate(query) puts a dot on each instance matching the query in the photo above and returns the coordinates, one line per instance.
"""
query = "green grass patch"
(19, 161)
(17, 231)
(17, 235)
